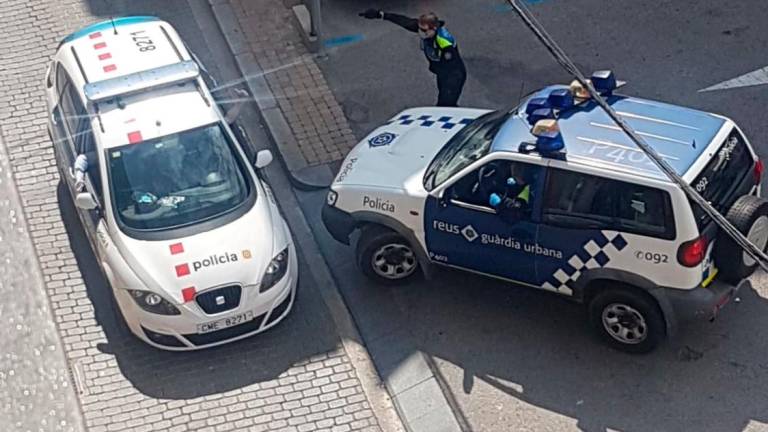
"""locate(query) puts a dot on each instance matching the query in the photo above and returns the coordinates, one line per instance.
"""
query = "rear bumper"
(339, 223)
(699, 303)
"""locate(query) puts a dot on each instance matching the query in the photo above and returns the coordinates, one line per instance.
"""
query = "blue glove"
(494, 200)
(511, 181)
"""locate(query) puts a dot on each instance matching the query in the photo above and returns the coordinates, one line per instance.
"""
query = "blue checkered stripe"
(596, 253)
(426, 120)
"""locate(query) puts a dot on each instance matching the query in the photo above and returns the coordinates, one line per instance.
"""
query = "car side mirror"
(263, 158)
(85, 201)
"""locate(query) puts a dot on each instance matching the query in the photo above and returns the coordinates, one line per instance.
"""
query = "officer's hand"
(494, 200)
(371, 14)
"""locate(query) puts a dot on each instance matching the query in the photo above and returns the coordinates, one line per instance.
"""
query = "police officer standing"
(440, 48)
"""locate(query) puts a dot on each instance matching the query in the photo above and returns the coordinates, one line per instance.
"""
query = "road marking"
(343, 40)
(754, 78)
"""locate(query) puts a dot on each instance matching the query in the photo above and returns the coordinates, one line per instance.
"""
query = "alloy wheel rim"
(624, 323)
(394, 261)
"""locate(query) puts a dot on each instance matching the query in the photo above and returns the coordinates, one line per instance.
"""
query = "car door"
(591, 219)
(463, 229)
(58, 84)
(80, 139)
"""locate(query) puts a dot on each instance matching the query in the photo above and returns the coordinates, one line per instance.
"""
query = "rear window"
(719, 182)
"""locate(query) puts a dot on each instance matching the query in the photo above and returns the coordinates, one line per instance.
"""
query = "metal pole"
(315, 19)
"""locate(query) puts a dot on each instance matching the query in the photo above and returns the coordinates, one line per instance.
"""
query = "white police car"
(553, 195)
(185, 231)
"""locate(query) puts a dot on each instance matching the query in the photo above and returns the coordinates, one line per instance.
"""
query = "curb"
(302, 176)
(413, 386)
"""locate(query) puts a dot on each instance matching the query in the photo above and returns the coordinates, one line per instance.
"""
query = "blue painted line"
(343, 40)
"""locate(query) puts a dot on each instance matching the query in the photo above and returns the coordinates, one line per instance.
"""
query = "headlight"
(153, 303)
(275, 271)
(331, 198)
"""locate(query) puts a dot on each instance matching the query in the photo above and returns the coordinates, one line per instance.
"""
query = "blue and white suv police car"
(553, 195)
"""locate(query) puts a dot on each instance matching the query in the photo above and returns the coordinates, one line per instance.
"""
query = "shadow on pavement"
(306, 332)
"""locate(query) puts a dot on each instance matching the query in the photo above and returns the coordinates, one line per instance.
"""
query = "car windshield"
(467, 146)
(176, 180)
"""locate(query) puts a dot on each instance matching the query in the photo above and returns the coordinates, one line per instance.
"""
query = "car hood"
(399, 151)
(235, 253)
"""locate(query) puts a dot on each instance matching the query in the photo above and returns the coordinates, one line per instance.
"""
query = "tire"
(639, 324)
(396, 258)
(749, 214)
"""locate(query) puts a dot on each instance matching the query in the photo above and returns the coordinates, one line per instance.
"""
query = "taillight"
(758, 171)
(692, 252)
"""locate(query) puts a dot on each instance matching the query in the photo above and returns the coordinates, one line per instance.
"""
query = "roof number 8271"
(143, 42)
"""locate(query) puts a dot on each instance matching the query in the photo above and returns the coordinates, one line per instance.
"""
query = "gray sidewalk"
(35, 390)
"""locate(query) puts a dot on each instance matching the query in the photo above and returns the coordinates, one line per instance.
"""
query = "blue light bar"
(604, 82)
(540, 114)
(550, 145)
(560, 98)
(548, 138)
(536, 103)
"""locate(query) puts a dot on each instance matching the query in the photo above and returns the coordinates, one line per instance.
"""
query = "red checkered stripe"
(182, 270)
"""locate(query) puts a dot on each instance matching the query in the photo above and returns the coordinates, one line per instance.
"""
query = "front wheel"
(627, 320)
(385, 256)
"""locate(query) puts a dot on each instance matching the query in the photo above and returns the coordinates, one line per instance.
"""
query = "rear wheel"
(627, 320)
(749, 214)
(385, 256)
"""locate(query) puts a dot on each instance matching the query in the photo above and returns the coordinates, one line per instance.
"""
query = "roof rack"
(141, 81)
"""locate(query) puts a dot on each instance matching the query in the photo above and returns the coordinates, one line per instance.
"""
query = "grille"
(211, 301)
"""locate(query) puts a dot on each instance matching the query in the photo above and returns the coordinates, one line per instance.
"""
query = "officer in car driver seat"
(510, 194)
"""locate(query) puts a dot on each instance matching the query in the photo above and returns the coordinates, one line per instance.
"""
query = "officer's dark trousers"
(449, 88)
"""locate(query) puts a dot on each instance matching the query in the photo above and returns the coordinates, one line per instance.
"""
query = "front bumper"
(339, 223)
(699, 303)
(180, 332)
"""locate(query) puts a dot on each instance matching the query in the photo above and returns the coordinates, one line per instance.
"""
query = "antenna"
(114, 27)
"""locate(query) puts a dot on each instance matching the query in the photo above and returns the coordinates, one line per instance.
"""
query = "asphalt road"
(514, 359)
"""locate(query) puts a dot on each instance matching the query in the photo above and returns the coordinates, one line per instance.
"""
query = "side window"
(62, 80)
(578, 200)
(644, 210)
(499, 185)
(80, 122)
(585, 201)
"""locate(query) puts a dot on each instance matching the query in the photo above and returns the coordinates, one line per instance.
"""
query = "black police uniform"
(442, 53)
